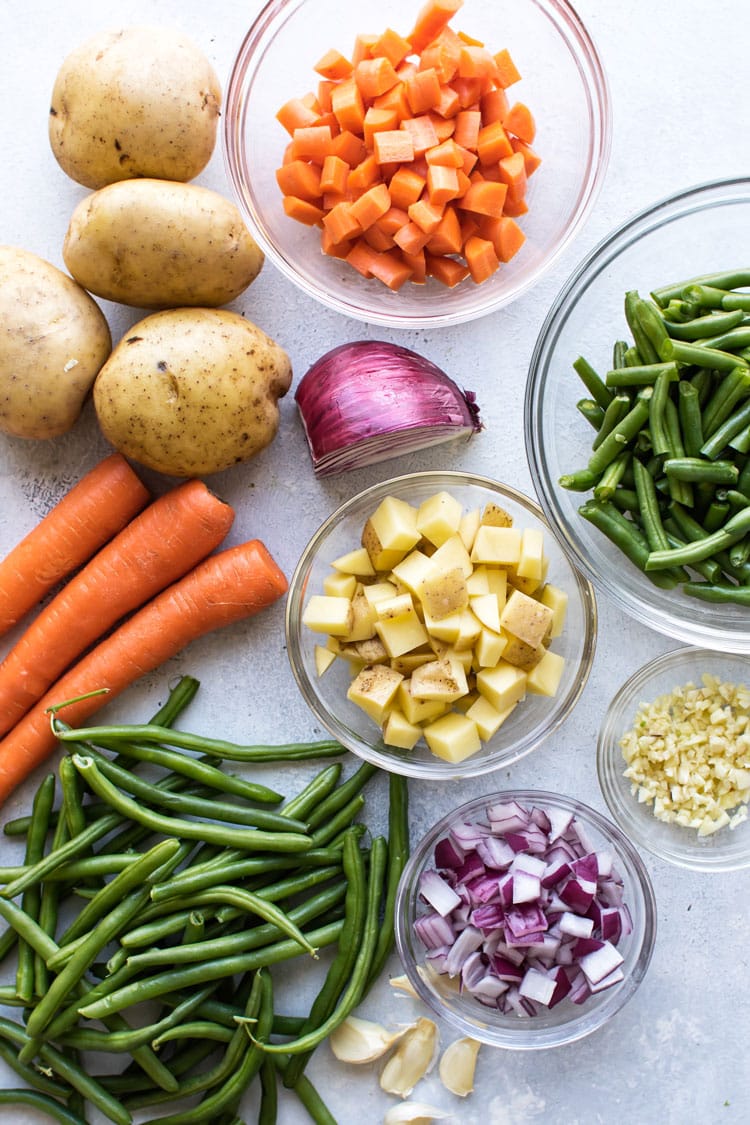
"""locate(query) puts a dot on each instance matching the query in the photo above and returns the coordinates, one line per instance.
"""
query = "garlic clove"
(413, 1058)
(403, 984)
(457, 1065)
(418, 1113)
(362, 1041)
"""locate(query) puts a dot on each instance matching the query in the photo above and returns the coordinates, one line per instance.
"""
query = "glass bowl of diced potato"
(436, 627)
(673, 758)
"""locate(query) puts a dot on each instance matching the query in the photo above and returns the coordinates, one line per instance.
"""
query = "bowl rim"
(579, 40)
(428, 769)
(578, 1027)
(620, 803)
(732, 189)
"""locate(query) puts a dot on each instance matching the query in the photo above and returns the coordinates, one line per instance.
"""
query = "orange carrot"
(507, 72)
(370, 206)
(378, 121)
(493, 143)
(299, 178)
(375, 76)
(391, 46)
(393, 145)
(86, 517)
(431, 19)
(333, 65)
(302, 211)
(311, 142)
(222, 590)
(513, 173)
(295, 114)
(480, 258)
(156, 548)
(485, 198)
(405, 187)
(333, 175)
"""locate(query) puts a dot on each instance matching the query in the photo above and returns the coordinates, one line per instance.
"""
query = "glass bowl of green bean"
(637, 416)
(672, 758)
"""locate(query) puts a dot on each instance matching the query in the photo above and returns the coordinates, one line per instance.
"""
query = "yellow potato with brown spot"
(53, 340)
(189, 392)
(135, 101)
(158, 244)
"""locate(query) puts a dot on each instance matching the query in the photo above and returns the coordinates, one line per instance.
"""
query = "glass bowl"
(566, 1021)
(728, 849)
(695, 231)
(562, 82)
(531, 722)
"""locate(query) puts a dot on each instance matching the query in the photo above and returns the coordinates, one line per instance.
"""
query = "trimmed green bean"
(130, 1039)
(736, 527)
(642, 340)
(624, 432)
(691, 422)
(739, 419)
(324, 782)
(582, 480)
(194, 1029)
(613, 415)
(695, 469)
(341, 819)
(733, 340)
(705, 326)
(183, 692)
(190, 880)
(648, 508)
(593, 382)
(43, 1103)
(591, 411)
(644, 375)
(656, 416)
(340, 797)
(398, 854)
(726, 279)
(626, 536)
(268, 1111)
(612, 476)
(718, 593)
(698, 355)
(41, 810)
(38, 871)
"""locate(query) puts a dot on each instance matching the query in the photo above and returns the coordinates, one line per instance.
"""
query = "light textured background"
(677, 1053)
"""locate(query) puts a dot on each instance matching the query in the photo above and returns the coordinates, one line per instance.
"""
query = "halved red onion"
(370, 400)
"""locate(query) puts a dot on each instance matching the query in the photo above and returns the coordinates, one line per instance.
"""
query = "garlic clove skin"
(413, 1058)
(457, 1066)
(403, 984)
(360, 1041)
(418, 1113)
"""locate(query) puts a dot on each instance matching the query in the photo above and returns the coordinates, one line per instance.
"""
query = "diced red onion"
(371, 400)
(467, 942)
(576, 925)
(436, 891)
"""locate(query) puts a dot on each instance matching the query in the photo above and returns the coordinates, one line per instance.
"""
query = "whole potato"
(158, 244)
(53, 340)
(136, 101)
(189, 392)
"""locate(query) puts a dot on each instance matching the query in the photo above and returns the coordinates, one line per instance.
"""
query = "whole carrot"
(224, 588)
(156, 548)
(94, 510)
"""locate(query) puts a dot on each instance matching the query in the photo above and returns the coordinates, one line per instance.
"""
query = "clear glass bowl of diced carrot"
(420, 164)
(361, 637)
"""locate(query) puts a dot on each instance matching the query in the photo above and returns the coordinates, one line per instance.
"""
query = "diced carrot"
(379, 239)
(376, 121)
(300, 179)
(443, 55)
(449, 105)
(364, 175)
(464, 182)
(362, 46)
(494, 105)
(513, 173)
(470, 90)
(480, 258)
(507, 72)
(476, 62)
(330, 199)
(405, 187)
(442, 184)
(370, 206)
(493, 143)
(410, 238)
(418, 266)
(515, 207)
(446, 238)
(391, 269)
(485, 198)
(449, 271)
(468, 159)
(444, 126)
(349, 147)
(392, 220)
(430, 21)
(395, 100)
(469, 225)
(360, 257)
(334, 65)
(531, 158)
(405, 69)
(311, 142)
(340, 224)
(334, 249)
(519, 121)
(391, 46)
(393, 145)
(333, 175)
(375, 76)
(325, 89)
(302, 210)
(508, 238)
(422, 90)
(468, 124)
(295, 114)
(426, 215)
(469, 39)
(347, 104)
(422, 132)
(447, 153)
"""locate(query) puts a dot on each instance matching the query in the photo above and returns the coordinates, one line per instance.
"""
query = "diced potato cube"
(521, 654)
(452, 553)
(462, 656)
(531, 559)
(373, 689)
(371, 651)
(503, 685)
(439, 517)
(398, 731)
(355, 562)
(339, 585)
(364, 616)
(439, 679)
(486, 609)
(556, 600)
(390, 533)
(545, 678)
(395, 608)
(418, 710)
(325, 614)
(411, 571)
(494, 515)
(443, 592)
(468, 633)
(378, 591)
(382, 558)
(324, 658)
(500, 546)
(467, 528)
(398, 626)
(478, 581)
(497, 579)
(526, 618)
(408, 661)
(453, 737)
(445, 629)
(489, 649)
(487, 718)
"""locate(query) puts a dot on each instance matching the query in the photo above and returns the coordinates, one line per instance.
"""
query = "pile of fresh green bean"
(186, 888)
(670, 463)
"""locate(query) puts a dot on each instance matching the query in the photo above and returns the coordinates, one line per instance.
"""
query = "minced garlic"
(688, 755)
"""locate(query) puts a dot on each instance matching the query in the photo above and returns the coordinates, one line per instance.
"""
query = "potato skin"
(53, 340)
(189, 392)
(158, 244)
(135, 101)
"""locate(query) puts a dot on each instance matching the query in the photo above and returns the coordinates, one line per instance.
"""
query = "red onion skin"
(363, 389)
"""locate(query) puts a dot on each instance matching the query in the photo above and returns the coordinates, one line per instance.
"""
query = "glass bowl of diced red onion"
(525, 919)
